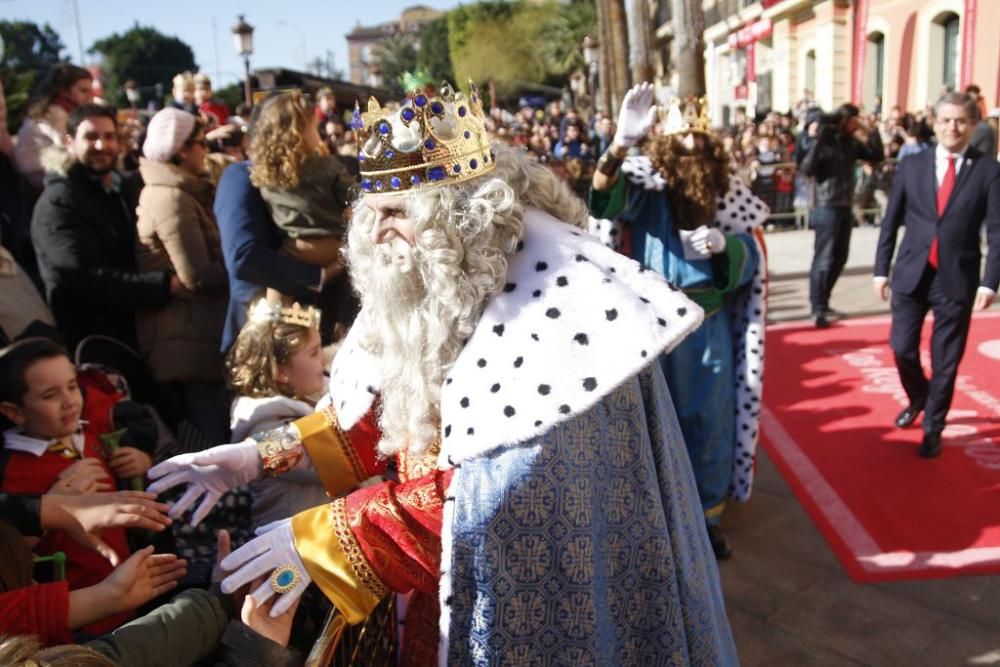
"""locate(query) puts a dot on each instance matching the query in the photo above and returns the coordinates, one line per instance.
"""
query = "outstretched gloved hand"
(271, 554)
(208, 474)
(708, 240)
(636, 115)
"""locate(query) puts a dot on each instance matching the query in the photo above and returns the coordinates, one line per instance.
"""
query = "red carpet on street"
(830, 400)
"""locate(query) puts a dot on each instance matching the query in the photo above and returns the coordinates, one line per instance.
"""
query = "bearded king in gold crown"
(545, 511)
(679, 210)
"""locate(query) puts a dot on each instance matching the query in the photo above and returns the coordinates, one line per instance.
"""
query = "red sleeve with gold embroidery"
(342, 459)
(385, 537)
(398, 528)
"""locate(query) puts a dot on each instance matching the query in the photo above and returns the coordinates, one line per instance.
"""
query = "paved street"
(789, 600)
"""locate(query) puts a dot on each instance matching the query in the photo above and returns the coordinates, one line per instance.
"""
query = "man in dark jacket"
(83, 230)
(829, 160)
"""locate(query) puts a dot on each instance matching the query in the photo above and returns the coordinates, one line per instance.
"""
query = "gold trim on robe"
(335, 562)
(330, 451)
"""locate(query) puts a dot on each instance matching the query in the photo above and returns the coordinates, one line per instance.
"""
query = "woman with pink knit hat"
(177, 232)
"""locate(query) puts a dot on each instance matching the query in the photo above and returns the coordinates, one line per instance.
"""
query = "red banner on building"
(968, 42)
(860, 46)
(751, 56)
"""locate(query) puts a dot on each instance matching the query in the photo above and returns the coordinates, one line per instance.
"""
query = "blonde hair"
(416, 324)
(277, 145)
(27, 651)
(252, 363)
(182, 80)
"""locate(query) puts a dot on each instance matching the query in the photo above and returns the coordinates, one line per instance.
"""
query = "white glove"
(636, 115)
(211, 472)
(708, 240)
(270, 554)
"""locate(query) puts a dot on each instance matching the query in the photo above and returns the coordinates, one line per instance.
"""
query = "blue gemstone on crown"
(420, 100)
(361, 157)
(462, 111)
(436, 174)
(473, 163)
(437, 107)
(395, 182)
(467, 134)
(457, 168)
(486, 159)
(429, 144)
(366, 185)
(415, 179)
(407, 114)
(383, 128)
(389, 153)
(379, 186)
(285, 578)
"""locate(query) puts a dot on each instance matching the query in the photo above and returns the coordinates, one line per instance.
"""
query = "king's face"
(391, 220)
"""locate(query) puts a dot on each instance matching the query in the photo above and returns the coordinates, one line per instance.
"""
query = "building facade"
(363, 42)
(770, 54)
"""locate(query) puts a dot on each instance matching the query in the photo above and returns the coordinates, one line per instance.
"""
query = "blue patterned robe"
(586, 546)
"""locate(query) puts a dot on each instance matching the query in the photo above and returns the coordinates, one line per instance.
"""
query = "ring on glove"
(285, 578)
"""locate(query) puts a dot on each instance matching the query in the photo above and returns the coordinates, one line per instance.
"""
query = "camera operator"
(831, 148)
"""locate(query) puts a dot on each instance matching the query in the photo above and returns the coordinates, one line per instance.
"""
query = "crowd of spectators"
(133, 248)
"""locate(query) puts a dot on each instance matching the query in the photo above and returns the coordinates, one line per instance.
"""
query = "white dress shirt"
(941, 162)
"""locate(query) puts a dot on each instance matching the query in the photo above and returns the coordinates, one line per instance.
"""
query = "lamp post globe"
(243, 41)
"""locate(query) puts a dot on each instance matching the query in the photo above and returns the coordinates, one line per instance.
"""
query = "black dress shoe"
(908, 415)
(931, 445)
(720, 543)
(819, 319)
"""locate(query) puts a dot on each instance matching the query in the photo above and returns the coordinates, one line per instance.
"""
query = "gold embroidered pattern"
(349, 545)
(344, 443)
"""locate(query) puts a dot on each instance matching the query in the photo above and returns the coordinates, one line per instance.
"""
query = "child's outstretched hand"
(127, 462)
(258, 617)
(142, 577)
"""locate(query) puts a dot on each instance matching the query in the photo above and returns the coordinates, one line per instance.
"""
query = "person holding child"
(307, 192)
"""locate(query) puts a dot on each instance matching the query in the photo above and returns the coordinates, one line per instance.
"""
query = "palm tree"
(396, 55)
(688, 48)
(640, 53)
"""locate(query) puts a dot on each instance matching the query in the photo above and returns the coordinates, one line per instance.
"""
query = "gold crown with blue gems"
(688, 114)
(429, 141)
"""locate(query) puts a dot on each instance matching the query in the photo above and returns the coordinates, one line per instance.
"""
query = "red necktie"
(943, 193)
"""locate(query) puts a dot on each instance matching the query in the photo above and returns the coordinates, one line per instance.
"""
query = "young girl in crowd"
(307, 191)
(65, 88)
(277, 368)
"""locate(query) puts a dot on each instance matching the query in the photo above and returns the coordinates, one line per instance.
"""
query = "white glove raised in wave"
(708, 240)
(636, 115)
(208, 474)
(271, 554)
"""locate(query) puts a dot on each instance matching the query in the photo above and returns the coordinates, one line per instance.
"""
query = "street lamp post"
(590, 55)
(243, 39)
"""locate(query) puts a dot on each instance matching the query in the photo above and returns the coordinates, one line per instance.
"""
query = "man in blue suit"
(943, 196)
(250, 243)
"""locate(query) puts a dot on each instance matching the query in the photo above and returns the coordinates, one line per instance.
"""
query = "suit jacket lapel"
(969, 161)
(930, 186)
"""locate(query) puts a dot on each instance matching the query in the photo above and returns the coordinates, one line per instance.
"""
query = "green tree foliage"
(29, 50)
(396, 55)
(144, 55)
(518, 44)
(434, 56)
(232, 95)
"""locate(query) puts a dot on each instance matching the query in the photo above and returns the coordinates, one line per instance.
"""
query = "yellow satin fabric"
(322, 551)
(328, 449)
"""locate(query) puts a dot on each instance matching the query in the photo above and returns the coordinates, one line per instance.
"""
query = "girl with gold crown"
(679, 210)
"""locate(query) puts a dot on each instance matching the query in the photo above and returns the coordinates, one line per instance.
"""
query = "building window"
(874, 83)
(951, 52)
(942, 53)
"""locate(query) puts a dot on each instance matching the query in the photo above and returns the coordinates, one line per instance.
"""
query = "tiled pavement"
(789, 601)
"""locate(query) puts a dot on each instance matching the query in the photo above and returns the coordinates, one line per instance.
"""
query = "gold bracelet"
(280, 450)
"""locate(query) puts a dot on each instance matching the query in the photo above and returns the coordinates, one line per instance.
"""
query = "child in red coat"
(48, 451)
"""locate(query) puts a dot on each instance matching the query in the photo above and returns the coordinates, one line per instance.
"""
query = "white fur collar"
(574, 320)
(640, 171)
